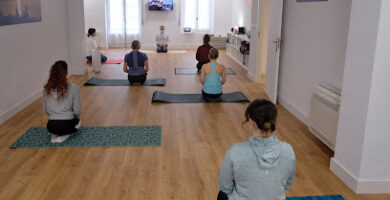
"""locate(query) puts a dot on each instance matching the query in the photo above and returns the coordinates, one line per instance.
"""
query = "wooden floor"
(185, 166)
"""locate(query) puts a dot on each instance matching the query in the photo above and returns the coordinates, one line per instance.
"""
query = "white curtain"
(124, 22)
(198, 15)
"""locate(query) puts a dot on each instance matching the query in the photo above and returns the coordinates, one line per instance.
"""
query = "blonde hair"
(213, 54)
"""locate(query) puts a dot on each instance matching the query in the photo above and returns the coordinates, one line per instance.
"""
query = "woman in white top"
(92, 44)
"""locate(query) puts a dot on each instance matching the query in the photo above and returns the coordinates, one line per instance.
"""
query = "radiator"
(324, 113)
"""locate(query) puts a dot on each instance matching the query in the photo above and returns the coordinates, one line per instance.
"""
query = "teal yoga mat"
(330, 197)
(38, 137)
(94, 81)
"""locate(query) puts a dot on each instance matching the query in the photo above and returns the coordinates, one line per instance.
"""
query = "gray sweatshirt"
(261, 169)
(67, 108)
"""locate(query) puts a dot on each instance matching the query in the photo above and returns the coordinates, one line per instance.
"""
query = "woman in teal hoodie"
(262, 168)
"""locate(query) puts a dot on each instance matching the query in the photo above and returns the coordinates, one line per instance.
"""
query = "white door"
(274, 43)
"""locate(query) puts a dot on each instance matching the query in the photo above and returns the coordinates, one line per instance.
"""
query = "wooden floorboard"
(186, 165)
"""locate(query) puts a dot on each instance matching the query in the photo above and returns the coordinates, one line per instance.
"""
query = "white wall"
(313, 50)
(361, 158)
(95, 17)
(241, 13)
(76, 37)
(222, 16)
(26, 54)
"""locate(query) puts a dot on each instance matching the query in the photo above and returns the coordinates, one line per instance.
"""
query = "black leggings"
(210, 97)
(200, 64)
(137, 79)
(62, 127)
(222, 196)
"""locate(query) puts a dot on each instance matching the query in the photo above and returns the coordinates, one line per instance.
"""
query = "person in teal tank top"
(212, 77)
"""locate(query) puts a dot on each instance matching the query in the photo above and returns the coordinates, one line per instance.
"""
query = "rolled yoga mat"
(38, 137)
(331, 197)
(94, 81)
(162, 97)
(194, 71)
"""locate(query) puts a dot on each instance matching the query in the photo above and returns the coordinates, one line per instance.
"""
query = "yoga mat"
(94, 81)
(118, 61)
(331, 197)
(169, 51)
(159, 96)
(194, 71)
(38, 137)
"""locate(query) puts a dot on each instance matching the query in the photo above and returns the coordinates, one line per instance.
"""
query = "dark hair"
(213, 53)
(206, 39)
(263, 113)
(58, 79)
(135, 44)
(91, 31)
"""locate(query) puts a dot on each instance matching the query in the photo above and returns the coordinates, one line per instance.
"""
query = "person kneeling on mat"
(202, 54)
(212, 77)
(61, 102)
(91, 44)
(162, 40)
(136, 64)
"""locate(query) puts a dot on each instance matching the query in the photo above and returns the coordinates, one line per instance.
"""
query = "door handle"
(277, 43)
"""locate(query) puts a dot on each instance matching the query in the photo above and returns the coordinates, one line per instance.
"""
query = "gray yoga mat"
(162, 97)
(94, 81)
(38, 137)
(194, 71)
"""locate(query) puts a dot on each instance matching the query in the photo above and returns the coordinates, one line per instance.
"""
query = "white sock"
(53, 138)
(78, 125)
(62, 139)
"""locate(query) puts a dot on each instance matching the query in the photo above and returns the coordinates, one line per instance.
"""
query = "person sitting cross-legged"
(162, 40)
(136, 64)
(202, 54)
(212, 77)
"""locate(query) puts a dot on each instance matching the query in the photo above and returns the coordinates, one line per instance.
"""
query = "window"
(124, 22)
(198, 15)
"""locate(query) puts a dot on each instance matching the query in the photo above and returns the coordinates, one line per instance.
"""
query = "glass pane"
(204, 15)
(133, 16)
(116, 16)
(190, 13)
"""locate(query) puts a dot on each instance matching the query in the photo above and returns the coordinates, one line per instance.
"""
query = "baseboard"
(293, 109)
(360, 186)
(20, 106)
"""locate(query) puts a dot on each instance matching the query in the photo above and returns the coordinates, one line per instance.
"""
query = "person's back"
(65, 108)
(136, 63)
(61, 102)
(212, 77)
(212, 80)
(202, 54)
(262, 168)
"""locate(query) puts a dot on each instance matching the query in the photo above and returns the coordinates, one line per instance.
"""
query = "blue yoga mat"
(330, 197)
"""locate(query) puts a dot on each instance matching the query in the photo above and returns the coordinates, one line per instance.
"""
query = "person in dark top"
(202, 54)
(136, 64)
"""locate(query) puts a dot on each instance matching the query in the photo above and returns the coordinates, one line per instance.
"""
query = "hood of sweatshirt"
(267, 151)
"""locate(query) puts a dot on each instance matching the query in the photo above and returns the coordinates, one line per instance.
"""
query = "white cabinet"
(233, 49)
